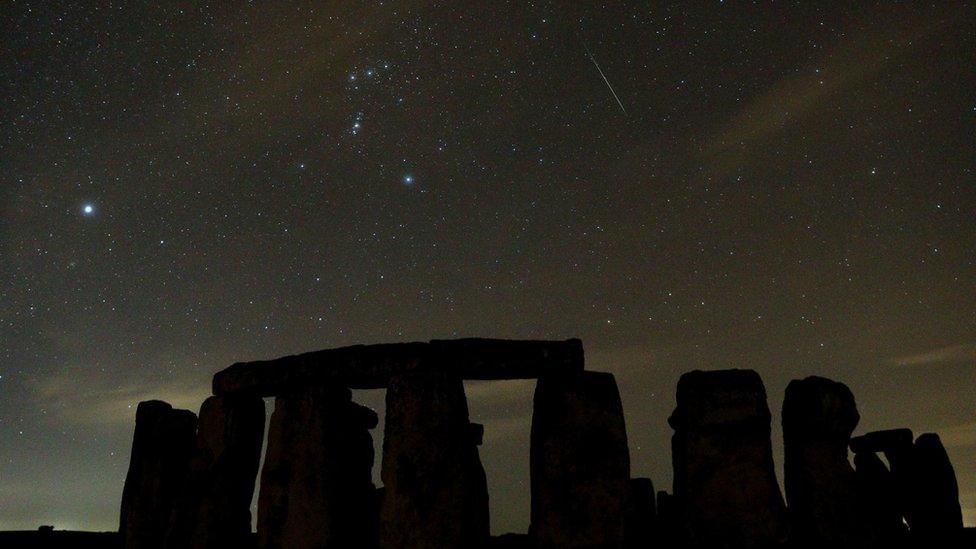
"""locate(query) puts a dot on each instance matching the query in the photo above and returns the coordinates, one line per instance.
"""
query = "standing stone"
(434, 497)
(882, 509)
(478, 519)
(640, 520)
(826, 506)
(579, 462)
(161, 450)
(214, 509)
(667, 518)
(316, 484)
(724, 479)
(884, 488)
(934, 512)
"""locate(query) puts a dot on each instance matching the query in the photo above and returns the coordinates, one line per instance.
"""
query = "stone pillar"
(161, 450)
(934, 516)
(725, 486)
(877, 485)
(579, 462)
(478, 520)
(316, 484)
(667, 518)
(214, 509)
(826, 506)
(434, 497)
(641, 517)
(883, 489)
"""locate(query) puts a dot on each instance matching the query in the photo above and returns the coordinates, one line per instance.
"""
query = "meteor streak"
(604, 76)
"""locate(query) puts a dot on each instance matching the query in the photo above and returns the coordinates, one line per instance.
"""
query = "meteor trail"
(604, 76)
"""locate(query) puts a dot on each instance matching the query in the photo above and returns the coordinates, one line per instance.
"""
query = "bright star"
(408, 179)
(88, 209)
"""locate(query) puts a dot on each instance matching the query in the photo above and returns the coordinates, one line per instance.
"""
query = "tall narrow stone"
(214, 509)
(641, 517)
(826, 505)
(933, 493)
(579, 462)
(877, 483)
(667, 519)
(316, 484)
(478, 519)
(161, 448)
(725, 484)
(434, 497)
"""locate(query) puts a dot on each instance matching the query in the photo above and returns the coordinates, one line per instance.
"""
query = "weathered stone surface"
(826, 506)
(372, 366)
(579, 462)
(316, 484)
(933, 494)
(434, 494)
(161, 450)
(639, 522)
(214, 509)
(725, 484)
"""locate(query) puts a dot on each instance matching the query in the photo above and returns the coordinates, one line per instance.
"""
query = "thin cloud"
(105, 403)
(795, 99)
(954, 354)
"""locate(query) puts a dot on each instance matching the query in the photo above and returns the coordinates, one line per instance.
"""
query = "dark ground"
(36, 539)
(39, 539)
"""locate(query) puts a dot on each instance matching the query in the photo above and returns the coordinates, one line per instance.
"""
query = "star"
(88, 210)
(408, 179)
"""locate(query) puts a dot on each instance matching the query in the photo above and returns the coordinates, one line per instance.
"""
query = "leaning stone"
(934, 514)
(435, 494)
(826, 505)
(316, 484)
(725, 484)
(161, 450)
(579, 462)
(214, 509)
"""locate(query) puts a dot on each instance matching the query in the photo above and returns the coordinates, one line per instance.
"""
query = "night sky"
(787, 187)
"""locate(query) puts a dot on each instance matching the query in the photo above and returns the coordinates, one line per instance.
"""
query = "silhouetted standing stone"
(478, 519)
(667, 518)
(825, 503)
(214, 509)
(316, 484)
(161, 448)
(884, 489)
(579, 462)
(724, 479)
(641, 514)
(877, 484)
(934, 511)
(434, 497)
